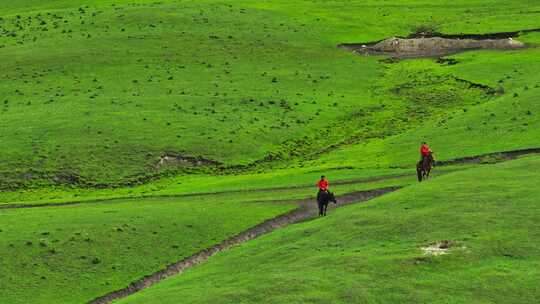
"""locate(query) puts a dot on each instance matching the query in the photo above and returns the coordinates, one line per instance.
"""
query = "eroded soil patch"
(438, 248)
(436, 45)
(174, 159)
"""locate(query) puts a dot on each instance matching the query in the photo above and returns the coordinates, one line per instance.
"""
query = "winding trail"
(503, 155)
(199, 194)
(307, 209)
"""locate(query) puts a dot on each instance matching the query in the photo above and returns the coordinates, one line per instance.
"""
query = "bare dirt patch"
(431, 47)
(173, 159)
(427, 44)
(438, 248)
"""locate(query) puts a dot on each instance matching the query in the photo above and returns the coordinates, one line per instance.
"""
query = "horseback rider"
(426, 163)
(425, 151)
(322, 184)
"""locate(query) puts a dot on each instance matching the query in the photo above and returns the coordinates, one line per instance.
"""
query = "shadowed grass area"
(371, 253)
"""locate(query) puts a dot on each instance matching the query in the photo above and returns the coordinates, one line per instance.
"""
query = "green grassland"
(502, 123)
(165, 82)
(371, 253)
(96, 93)
(264, 186)
(73, 254)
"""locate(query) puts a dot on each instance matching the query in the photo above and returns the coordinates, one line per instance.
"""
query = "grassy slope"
(205, 81)
(297, 185)
(235, 195)
(201, 95)
(73, 254)
(69, 103)
(500, 124)
(371, 253)
(370, 20)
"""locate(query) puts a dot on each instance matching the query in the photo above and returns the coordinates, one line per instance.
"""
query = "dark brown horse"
(323, 198)
(424, 166)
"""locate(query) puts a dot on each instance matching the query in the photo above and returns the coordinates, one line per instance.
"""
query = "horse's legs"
(325, 206)
(320, 208)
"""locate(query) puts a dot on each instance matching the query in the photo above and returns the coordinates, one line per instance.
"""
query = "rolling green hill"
(137, 133)
(373, 253)
(72, 254)
(96, 93)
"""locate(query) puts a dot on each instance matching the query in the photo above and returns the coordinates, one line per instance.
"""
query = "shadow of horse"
(423, 167)
(323, 199)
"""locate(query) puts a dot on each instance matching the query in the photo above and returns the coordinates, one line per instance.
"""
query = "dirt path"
(307, 209)
(497, 156)
(200, 194)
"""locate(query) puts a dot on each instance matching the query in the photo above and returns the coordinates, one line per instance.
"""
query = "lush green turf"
(99, 91)
(290, 184)
(146, 79)
(95, 92)
(73, 254)
(507, 122)
(371, 253)
(190, 184)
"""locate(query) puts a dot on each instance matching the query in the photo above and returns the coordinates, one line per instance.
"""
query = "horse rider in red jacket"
(424, 151)
(322, 184)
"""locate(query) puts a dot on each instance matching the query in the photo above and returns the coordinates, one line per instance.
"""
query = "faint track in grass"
(307, 210)
(504, 155)
(498, 156)
(200, 194)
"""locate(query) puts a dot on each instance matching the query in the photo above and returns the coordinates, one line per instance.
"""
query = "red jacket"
(323, 185)
(425, 150)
